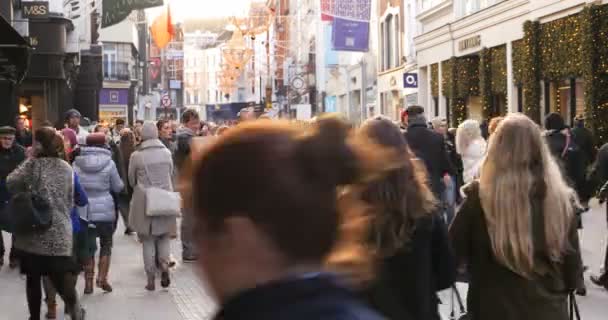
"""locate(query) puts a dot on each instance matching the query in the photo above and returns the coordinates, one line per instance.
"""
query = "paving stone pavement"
(187, 298)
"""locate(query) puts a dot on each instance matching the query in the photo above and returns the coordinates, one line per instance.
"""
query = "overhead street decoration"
(115, 11)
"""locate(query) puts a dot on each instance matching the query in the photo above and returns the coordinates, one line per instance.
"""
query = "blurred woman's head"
(401, 197)
(519, 169)
(287, 215)
(48, 144)
(467, 132)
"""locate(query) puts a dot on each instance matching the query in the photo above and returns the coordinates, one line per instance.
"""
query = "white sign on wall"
(303, 112)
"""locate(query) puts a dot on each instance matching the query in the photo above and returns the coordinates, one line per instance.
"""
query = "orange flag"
(162, 29)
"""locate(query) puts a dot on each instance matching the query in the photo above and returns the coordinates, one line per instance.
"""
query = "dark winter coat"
(570, 159)
(24, 138)
(497, 293)
(182, 152)
(430, 147)
(601, 165)
(9, 160)
(407, 282)
(303, 298)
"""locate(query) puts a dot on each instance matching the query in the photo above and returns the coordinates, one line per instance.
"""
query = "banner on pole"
(346, 9)
(350, 35)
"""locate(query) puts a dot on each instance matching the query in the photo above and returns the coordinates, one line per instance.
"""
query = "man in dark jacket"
(601, 172)
(190, 126)
(429, 146)
(11, 155)
(22, 135)
(584, 140)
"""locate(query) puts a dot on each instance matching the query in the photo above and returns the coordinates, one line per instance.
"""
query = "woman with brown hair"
(48, 253)
(126, 148)
(408, 239)
(517, 229)
(263, 256)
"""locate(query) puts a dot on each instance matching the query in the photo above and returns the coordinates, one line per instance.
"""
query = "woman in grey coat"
(151, 166)
(48, 253)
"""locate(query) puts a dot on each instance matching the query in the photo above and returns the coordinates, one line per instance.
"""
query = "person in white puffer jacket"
(471, 146)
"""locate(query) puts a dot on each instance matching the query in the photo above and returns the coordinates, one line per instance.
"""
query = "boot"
(601, 281)
(89, 275)
(102, 277)
(51, 308)
(151, 286)
(165, 279)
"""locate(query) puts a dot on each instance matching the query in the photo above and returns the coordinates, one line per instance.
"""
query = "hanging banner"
(347, 9)
(115, 11)
(350, 35)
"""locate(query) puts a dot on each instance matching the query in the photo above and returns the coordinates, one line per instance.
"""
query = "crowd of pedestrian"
(330, 221)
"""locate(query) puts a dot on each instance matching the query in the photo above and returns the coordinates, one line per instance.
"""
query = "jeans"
(63, 283)
(189, 249)
(156, 247)
(104, 231)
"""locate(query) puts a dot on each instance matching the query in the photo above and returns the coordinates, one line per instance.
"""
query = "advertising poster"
(350, 35)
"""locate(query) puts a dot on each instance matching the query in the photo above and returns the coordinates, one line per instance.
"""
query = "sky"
(187, 9)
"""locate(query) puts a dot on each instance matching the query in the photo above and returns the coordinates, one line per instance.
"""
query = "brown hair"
(288, 185)
(401, 197)
(494, 124)
(49, 144)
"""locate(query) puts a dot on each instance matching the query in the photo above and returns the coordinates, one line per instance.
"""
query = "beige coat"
(150, 166)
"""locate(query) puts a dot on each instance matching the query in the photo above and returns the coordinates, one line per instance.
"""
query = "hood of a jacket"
(93, 159)
(150, 144)
(184, 132)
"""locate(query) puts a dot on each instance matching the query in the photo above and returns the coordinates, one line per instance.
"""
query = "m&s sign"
(35, 9)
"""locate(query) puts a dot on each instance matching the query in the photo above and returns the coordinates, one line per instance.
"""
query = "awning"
(14, 53)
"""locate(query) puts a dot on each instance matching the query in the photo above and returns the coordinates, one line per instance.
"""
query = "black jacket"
(182, 151)
(570, 159)
(407, 282)
(601, 165)
(9, 160)
(24, 138)
(302, 298)
(430, 147)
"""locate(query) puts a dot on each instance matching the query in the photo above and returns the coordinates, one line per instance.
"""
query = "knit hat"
(149, 131)
(7, 131)
(97, 139)
(71, 136)
(72, 113)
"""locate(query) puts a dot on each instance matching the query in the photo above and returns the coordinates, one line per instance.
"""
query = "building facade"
(482, 58)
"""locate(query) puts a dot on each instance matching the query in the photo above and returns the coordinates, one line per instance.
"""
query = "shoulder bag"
(30, 211)
(160, 202)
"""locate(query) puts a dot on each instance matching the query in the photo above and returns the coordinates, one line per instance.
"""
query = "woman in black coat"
(409, 240)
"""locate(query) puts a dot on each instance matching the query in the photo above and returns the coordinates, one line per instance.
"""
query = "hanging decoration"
(531, 70)
(236, 53)
(435, 80)
(162, 29)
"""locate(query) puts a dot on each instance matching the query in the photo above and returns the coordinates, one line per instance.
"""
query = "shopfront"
(113, 105)
(515, 57)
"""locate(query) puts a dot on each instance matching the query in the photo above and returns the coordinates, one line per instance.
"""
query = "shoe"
(172, 263)
(89, 275)
(129, 232)
(581, 291)
(151, 285)
(13, 263)
(165, 279)
(189, 259)
(600, 281)
(102, 276)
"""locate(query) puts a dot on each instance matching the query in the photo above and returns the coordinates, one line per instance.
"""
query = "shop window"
(466, 7)
(567, 97)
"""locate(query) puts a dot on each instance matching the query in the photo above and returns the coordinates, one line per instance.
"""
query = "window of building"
(118, 62)
(427, 4)
(467, 7)
(390, 42)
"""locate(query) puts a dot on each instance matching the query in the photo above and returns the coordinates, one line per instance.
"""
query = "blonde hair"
(519, 169)
(467, 132)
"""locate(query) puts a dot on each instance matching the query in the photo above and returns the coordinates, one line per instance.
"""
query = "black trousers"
(65, 285)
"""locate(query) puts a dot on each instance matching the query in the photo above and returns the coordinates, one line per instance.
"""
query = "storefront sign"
(469, 43)
(35, 9)
(115, 11)
(410, 80)
(175, 84)
(154, 70)
(350, 35)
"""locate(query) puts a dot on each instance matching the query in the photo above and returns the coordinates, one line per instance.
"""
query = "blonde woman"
(517, 230)
(471, 146)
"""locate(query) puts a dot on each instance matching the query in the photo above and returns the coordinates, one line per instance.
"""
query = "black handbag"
(31, 213)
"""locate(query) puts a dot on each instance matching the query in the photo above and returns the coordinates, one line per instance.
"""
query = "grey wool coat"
(150, 166)
(51, 178)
